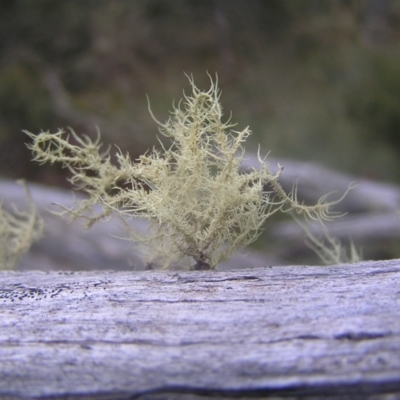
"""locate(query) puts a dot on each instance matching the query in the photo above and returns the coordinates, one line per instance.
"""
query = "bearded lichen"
(200, 205)
(18, 230)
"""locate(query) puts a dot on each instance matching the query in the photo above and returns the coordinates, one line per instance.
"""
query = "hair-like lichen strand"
(201, 206)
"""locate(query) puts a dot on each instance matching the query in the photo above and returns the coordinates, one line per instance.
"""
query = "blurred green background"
(315, 80)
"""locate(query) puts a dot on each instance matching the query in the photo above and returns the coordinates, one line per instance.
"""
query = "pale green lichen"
(18, 230)
(330, 250)
(200, 205)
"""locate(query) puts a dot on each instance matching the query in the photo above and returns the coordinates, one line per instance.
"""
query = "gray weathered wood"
(275, 330)
(314, 181)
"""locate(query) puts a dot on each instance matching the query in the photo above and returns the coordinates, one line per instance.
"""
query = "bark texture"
(283, 331)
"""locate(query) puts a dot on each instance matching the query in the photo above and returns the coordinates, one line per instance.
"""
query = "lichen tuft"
(201, 207)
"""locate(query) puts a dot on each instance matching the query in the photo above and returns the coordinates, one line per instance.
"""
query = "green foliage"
(273, 55)
(22, 94)
(17, 232)
(200, 206)
(375, 102)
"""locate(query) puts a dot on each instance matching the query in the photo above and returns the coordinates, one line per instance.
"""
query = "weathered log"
(284, 331)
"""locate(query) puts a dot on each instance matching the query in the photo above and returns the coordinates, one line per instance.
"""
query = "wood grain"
(284, 331)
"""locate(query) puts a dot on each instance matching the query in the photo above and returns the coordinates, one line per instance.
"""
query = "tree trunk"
(283, 331)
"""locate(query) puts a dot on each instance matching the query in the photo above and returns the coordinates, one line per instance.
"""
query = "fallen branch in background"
(371, 221)
(315, 181)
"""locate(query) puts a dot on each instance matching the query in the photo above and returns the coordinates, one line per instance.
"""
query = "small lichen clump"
(201, 207)
(18, 230)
